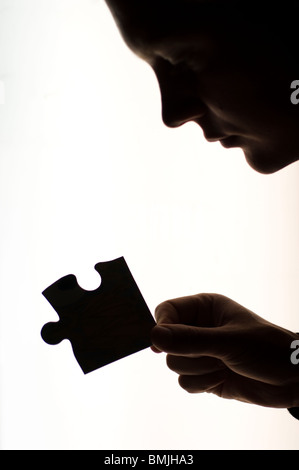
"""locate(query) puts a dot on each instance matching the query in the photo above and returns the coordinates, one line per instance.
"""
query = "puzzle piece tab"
(103, 325)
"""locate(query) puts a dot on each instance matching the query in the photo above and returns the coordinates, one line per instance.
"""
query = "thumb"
(185, 340)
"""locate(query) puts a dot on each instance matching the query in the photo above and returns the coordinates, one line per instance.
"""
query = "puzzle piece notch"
(103, 325)
(62, 293)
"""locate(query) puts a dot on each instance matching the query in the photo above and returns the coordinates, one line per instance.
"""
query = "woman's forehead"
(148, 24)
(191, 12)
(144, 22)
(248, 26)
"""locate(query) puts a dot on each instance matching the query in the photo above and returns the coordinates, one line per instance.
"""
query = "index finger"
(167, 313)
(183, 310)
(192, 310)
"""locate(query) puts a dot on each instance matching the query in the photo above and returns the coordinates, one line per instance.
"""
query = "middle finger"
(194, 366)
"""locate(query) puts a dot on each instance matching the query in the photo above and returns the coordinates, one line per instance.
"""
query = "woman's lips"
(225, 141)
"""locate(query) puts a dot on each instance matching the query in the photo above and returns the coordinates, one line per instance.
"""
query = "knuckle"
(183, 382)
(171, 362)
(161, 309)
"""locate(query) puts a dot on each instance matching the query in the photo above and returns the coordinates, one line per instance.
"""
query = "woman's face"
(234, 82)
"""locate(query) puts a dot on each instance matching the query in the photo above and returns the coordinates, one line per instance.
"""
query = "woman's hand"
(218, 346)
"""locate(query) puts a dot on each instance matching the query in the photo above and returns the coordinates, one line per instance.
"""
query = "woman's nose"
(178, 110)
(179, 95)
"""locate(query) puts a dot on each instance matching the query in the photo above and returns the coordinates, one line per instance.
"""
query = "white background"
(88, 173)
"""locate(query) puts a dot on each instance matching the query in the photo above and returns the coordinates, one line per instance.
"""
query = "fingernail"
(162, 337)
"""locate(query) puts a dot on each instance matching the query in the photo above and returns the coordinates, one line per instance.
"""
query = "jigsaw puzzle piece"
(103, 325)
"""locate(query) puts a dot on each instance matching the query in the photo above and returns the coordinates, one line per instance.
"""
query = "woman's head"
(226, 66)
